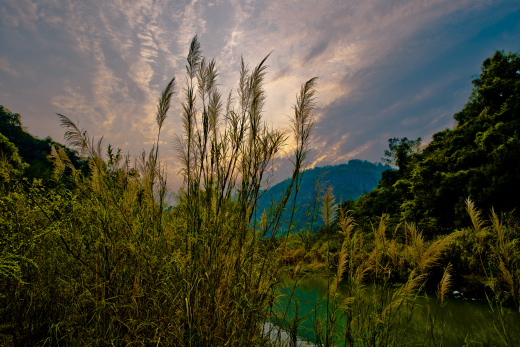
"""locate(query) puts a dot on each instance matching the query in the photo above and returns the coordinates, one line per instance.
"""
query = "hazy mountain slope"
(349, 181)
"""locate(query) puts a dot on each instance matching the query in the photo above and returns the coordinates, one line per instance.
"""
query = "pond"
(457, 322)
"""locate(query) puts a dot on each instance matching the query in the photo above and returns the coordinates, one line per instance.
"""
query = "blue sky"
(386, 68)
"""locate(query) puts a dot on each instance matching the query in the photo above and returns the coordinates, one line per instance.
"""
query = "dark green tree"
(32, 150)
(402, 152)
(479, 158)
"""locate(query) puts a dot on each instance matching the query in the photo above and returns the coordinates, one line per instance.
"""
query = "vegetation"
(478, 158)
(97, 259)
(90, 253)
(481, 261)
(34, 151)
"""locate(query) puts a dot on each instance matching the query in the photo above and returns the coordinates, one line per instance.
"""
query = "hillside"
(477, 159)
(32, 150)
(349, 181)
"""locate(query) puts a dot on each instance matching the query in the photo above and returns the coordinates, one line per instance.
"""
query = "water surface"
(458, 322)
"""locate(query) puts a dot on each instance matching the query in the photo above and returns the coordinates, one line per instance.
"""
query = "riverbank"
(483, 259)
(279, 336)
(454, 321)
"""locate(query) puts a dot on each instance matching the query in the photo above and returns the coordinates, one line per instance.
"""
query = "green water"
(458, 322)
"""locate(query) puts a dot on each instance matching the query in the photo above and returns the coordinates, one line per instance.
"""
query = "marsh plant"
(378, 278)
(99, 260)
(374, 280)
(96, 256)
(379, 315)
(489, 249)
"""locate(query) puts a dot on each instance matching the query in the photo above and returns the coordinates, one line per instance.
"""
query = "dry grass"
(116, 268)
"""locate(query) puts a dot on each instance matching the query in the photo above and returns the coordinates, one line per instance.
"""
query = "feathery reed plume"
(424, 259)
(162, 110)
(342, 266)
(74, 136)
(392, 252)
(59, 165)
(303, 122)
(250, 91)
(329, 208)
(505, 249)
(61, 161)
(185, 144)
(496, 221)
(206, 78)
(377, 254)
(215, 110)
(498, 227)
(416, 247)
(479, 230)
(346, 223)
(444, 284)
(508, 278)
(475, 215)
(406, 292)
(194, 57)
(164, 103)
(80, 139)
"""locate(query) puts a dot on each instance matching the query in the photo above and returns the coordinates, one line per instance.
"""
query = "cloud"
(386, 68)
(7, 68)
(19, 13)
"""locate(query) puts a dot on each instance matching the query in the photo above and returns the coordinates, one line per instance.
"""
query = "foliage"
(477, 158)
(353, 313)
(11, 170)
(11, 165)
(32, 150)
(486, 255)
(98, 259)
(92, 255)
(402, 152)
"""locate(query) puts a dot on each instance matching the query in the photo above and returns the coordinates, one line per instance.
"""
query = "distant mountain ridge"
(349, 181)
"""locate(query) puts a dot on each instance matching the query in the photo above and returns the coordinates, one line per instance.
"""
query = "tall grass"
(379, 318)
(494, 246)
(115, 268)
(98, 259)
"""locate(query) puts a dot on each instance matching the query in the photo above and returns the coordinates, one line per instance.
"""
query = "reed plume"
(445, 283)
(329, 208)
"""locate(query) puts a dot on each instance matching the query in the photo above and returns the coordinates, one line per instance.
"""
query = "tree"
(401, 152)
(478, 158)
(32, 150)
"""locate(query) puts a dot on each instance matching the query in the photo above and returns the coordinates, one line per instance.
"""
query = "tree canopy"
(478, 158)
(32, 150)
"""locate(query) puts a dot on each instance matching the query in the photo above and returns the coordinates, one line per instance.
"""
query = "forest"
(92, 253)
(477, 159)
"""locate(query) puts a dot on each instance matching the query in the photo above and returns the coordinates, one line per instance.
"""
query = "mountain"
(348, 181)
(32, 150)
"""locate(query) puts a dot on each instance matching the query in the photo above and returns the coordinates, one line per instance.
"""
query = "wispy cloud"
(386, 68)
(7, 68)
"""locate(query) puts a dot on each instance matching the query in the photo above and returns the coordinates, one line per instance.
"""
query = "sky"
(386, 68)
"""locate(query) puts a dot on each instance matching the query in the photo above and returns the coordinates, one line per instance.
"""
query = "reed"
(495, 243)
(97, 258)
(352, 315)
(113, 266)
